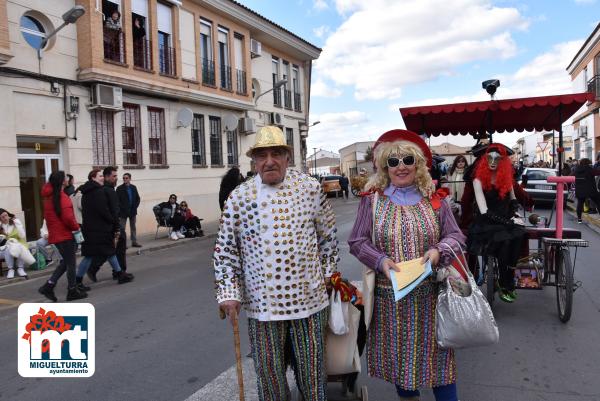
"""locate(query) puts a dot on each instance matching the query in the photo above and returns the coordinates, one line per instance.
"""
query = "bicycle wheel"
(491, 270)
(564, 284)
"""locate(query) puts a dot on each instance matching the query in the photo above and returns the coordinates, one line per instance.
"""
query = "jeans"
(441, 393)
(580, 202)
(132, 220)
(87, 262)
(67, 252)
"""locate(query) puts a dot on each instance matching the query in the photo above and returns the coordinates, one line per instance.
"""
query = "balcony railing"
(166, 60)
(297, 104)
(225, 71)
(287, 98)
(594, 86)
(208, 72)
(114, 45)
(277, 97)
(142, 54)
(242, 85)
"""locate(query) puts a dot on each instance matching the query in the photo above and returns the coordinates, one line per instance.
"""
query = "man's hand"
(387, 265)
(433, 255)
(231, 309)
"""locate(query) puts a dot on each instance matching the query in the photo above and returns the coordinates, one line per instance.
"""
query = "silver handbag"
(464, 321)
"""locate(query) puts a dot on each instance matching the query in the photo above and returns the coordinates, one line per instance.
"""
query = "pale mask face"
(493, 158)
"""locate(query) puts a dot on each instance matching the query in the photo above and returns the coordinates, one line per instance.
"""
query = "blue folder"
(401, 293)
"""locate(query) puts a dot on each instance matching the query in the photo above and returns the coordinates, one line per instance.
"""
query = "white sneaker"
(174, 236)
(180, 235)
(11, 273)
(21, 272)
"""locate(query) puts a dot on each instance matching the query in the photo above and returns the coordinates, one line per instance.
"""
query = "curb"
(33, 274)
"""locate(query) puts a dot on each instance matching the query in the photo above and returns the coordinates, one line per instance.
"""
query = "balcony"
(166, 60)
(277, 97)
(242, 85)
(114, 45)
(225, 71)
(208, 72)
(287, 99)
(142, 54)
(593, 86)
(297, 104)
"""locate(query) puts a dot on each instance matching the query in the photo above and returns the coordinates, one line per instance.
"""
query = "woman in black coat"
(585, 185)
(230, 180)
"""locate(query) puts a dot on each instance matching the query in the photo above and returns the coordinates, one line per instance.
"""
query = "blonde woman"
(410, 222)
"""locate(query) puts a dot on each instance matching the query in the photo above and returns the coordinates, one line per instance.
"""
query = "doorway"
(38, 158)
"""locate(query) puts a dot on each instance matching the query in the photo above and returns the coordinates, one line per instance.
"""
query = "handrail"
(560, 182)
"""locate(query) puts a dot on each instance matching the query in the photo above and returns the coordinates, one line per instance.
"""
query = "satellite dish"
(184, 117)
(230, 121)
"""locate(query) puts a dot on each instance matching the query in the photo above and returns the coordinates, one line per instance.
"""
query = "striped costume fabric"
(307, 340)
(401, 344)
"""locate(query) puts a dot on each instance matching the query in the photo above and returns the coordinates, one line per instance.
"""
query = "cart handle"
(560, 186)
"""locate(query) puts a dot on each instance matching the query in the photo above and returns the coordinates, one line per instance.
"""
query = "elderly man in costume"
(275, 250)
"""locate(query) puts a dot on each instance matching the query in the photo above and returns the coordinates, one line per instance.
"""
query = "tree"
(369, 154)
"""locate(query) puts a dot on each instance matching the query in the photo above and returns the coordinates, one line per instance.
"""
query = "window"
(216, 154)
(296, 88)
(198, 151)
(225, 68)
(289, 140)
(156, 138)
(114, 40)
(206, 51)
(142, 47)
(232, 147)
(287, 94)
(276, 91)
(103, 138)
(132, 135)
(33, 31)
(166, 54)
(538, 175)
(585, 78)
(241, 84)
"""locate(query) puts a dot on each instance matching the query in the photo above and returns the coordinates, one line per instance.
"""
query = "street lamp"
(277, 85)
(313, 124)
(70, 17)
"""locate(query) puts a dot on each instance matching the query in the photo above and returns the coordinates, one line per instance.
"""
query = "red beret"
(404, 135)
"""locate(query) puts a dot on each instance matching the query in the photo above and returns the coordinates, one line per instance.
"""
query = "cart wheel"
(564, 285)
(491, 268)
(364, 394)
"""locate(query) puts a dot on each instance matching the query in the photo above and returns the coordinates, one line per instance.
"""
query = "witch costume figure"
(494, 232)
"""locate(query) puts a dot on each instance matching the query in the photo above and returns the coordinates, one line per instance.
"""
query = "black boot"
(80, 285)
(47, 290)
(91, 273)
(124, 277)
(74, 294)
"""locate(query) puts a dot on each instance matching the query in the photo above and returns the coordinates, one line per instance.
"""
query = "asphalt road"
(160, 337)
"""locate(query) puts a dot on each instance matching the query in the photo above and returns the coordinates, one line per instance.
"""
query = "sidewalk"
(147, 240)
(591, 220)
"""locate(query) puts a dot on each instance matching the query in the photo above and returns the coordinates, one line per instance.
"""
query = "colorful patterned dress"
(401, 344)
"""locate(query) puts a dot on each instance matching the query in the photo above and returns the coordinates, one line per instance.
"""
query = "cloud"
(321, 31)
(384, 44)
(321, 89)
(320, 5)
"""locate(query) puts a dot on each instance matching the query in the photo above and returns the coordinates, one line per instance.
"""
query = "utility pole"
(315, 160)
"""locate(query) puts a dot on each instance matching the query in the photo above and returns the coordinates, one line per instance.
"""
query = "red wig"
(504, 171)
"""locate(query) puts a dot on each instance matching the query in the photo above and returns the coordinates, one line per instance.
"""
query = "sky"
(380, 55)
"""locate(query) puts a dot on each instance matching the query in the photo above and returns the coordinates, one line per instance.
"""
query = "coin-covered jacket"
(275, 247)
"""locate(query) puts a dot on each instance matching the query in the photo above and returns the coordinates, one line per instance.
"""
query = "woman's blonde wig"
(381, 179)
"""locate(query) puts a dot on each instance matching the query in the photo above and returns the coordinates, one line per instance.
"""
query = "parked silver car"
(536, 185)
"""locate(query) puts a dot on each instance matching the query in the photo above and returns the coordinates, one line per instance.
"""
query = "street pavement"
(160, 337)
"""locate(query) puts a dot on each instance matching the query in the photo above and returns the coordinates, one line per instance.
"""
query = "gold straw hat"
(269, 137)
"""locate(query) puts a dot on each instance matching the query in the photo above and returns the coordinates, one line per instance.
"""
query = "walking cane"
(238, 353)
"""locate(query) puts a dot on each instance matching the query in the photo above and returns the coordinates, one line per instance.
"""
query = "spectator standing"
(77, 208)
(171, 213)
(70, 188)
(114, 22)
(585, 186)
(281, 284)
(61, 223)
(11, 228)
(457, 181)
(229, 182)
(344, 184)
(129, 201)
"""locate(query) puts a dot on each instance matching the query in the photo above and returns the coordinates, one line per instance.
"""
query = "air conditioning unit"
(276, 119)
(247, 125)
(107, 97)
(583, 131)
(255, 48)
